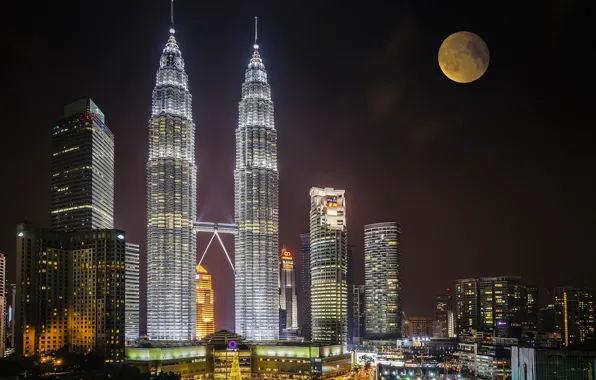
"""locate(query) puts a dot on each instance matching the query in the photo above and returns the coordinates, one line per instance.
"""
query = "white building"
(382, 279)
(328, 265)
(256, 193)
(132, 292)
(171, 203)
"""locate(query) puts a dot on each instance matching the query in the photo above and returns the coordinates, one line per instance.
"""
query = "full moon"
(463, 57)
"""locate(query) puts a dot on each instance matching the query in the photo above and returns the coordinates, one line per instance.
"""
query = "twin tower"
(171, 206)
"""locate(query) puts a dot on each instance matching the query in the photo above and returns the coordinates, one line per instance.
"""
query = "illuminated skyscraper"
(328, 265)
(382, 277)
(444, 306)
(171, 203)
(132, 289)
(82, 169)
(3, 295)
(287, 296)
(256, 208)
(205, 303)
(575, 314)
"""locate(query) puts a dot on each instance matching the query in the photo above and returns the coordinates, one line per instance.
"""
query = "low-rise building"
(221, 353)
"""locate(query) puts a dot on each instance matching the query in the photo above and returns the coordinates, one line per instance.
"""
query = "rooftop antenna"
(256, 46)
(172, 16)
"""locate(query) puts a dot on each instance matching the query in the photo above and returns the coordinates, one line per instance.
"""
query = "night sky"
(496, 177)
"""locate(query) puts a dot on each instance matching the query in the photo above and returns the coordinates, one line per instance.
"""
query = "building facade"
(171, 203)
(304, 296)
(420, 327)
(528, 363)
(3, 302)
(575, 318)
(42, 309)
(256, 208)
(82, 169)
(382, 276)
(328, 265)
(97, 293)
(205, 303)
(288, 299)
(132, 292)
(70, 292)
(358, 313)
(444, 306)
(496, 306)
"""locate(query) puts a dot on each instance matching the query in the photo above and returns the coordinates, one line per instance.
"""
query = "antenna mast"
(256, 45)
(172, 13)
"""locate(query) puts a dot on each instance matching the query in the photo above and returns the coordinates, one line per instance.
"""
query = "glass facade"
(171, 203)
(382, 277)
(132, 281)
(304, 296)
(552, 364)
(256, 205)
(82, 170)
(328, 265)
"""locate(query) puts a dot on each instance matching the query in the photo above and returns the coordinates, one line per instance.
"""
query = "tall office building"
(496, 306)
(3, 295)
(532, 307)
(132, 292)
(444, 306)
(171, 203)
(328, 265)
(97, 293)
(304, 296)
(287, 296)
(382, 276)
(256, 191)
(358, 313)
(82, 169)
(575, 318)
(205, 302)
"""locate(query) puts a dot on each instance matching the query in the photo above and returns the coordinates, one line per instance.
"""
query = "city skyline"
(431, 206)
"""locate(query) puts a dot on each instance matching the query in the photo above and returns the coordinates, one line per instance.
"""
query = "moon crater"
(463, 57)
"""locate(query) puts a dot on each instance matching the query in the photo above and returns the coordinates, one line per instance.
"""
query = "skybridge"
(216, 229)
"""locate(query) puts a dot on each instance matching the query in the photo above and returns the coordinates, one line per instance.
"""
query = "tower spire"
(256, 46)
(172, 31)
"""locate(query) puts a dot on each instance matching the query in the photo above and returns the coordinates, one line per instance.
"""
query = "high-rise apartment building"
(70, 288)
(495, 306)
(3, 302)
(97, 293)
(382, 278)
(205, 303)
(328, 265)
(358, 313)
(304, 296)
(132, 292)
(575, 318)
(256, 205)
(171, 203)
(42, 290)
(288, 299)
(444, 306)
(82, 169)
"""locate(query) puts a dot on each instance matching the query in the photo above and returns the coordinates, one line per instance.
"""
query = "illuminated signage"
(286, 255)
(332, 202)
(232, 345)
